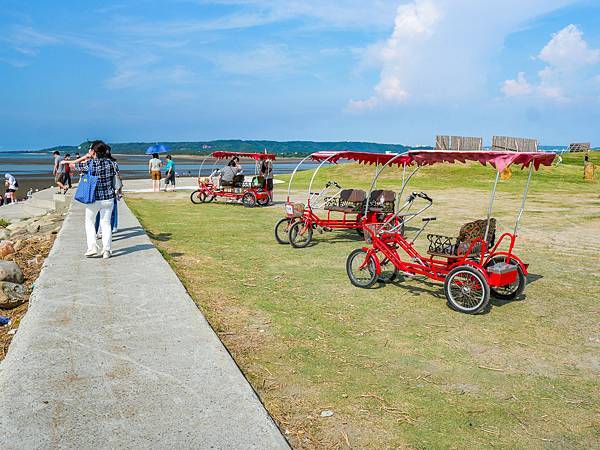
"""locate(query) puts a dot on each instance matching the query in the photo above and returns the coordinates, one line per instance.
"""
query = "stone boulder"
(12, 295)
(10, 271)
(4, 234)
(6, 248)
(19, 232)
(22, 225)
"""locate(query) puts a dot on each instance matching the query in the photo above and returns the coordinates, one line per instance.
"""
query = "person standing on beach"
(67, 178)
(169, 173)
(97, 163)
(154, 166)
(59, 172)
(266, 171)
(11, 188)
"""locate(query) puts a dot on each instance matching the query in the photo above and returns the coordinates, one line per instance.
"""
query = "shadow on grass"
(162, 237)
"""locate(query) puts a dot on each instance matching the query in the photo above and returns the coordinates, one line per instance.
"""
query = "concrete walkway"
(114, 353)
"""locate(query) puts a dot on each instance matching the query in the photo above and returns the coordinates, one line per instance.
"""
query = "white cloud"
(414, 23)
(571, 67)
(443, 50)
(520, 86)
(568, 48)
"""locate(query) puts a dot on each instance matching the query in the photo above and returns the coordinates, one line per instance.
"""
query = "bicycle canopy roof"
(255, 156)
(361, 157)
(498, 160)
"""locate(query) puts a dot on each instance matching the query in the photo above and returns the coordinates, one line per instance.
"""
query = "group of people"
(62, 172)
(154, 168)
(11, 185)
(234, 169)
(101, 215)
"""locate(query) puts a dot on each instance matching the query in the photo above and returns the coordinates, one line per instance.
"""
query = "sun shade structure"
(367, 158)
(498, 160)
(255, 156)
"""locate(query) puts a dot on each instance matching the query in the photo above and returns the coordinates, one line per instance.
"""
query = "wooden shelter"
(458, 143)
(514, 144)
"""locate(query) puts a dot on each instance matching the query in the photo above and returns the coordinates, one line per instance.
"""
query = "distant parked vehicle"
(250, 192)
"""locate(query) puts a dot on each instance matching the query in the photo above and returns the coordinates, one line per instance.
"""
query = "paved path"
(114, 353)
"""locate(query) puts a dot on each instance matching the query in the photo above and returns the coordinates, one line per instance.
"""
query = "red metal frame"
(311, 219)
(210, 189)
(388, 244)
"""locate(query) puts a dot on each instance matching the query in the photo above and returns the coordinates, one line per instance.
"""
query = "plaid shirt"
(105, 170)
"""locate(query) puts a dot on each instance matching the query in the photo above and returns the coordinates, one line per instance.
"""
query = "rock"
(19, 232)
(56, 230)
(6, 248)
(34, 227)
(12, 295)
(4, 234)
(18, 225)
(326, 413)
(10, 271)
(19, 244)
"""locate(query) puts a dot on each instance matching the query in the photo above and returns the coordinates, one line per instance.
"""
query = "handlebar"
(423, 195)
(332, 183)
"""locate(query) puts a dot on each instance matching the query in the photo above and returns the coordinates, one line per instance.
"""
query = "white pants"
(105, 208)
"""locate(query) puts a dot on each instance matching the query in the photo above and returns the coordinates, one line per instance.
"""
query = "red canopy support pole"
(489, 213)
(524, 199)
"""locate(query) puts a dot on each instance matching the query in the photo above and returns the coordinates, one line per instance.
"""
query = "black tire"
(362, 278)
(282, 228)
(299, 236)
(249, 200)
(210, 198)
(263, 202)
(195, 197)
(513, 290)
(389, 272)
(467, 290)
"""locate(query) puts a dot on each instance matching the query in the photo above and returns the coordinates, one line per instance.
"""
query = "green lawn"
(396, 366)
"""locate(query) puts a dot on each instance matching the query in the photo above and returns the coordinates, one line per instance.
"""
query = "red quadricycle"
(472, 265)
(333, 207)
(250, 190)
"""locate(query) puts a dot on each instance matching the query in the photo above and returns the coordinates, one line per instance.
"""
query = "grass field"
(394, 364)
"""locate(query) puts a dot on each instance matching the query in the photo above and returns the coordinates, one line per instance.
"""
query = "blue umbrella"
(158, 148)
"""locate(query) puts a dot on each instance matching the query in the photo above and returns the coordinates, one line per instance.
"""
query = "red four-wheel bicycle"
(335, 208)
(472, 265)
(249, 190)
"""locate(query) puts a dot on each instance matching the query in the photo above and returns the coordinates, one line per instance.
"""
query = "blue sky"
(382, 71)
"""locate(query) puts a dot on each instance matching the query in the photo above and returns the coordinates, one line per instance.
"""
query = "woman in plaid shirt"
(97, 162)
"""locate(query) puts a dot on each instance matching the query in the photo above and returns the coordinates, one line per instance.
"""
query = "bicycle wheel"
(389, 272)
(197, 197)
(282, 228)
(300, 235)
(362, 273)
(467, 290)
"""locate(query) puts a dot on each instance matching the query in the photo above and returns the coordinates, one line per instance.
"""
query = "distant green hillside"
(291, 148)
